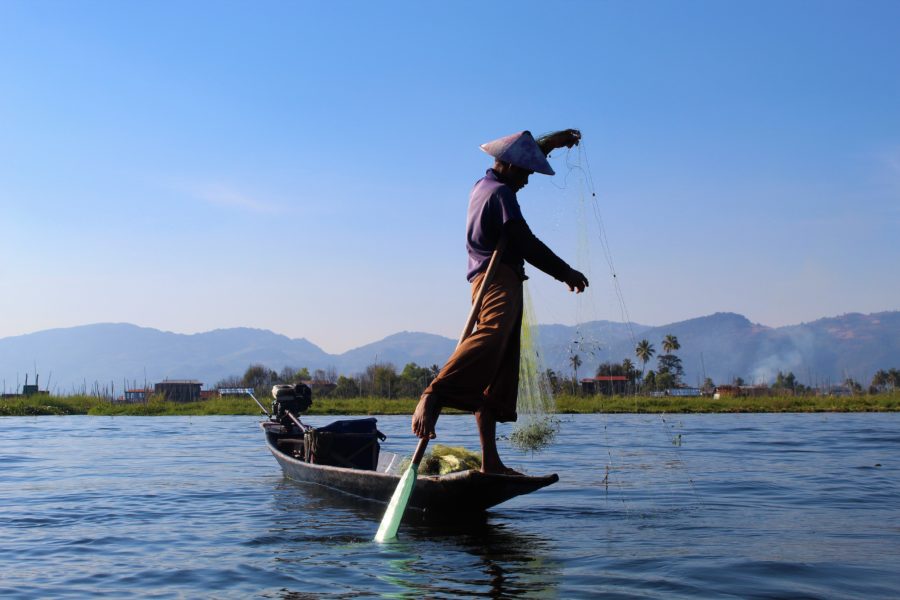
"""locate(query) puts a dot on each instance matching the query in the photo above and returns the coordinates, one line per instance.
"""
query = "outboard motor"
(294, 398)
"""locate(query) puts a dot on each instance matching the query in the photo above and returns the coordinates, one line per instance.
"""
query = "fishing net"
(578, 212)
(442, 460)
(595, 343)
(537, 425)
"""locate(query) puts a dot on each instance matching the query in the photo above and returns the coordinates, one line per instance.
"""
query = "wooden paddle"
(390, 523)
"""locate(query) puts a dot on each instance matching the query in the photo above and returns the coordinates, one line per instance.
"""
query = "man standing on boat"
(482, 375)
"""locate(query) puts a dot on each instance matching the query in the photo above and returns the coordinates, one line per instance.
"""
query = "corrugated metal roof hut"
(179, 390)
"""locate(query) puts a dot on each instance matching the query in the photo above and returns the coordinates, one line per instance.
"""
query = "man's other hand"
(561, 139)
(576, 281)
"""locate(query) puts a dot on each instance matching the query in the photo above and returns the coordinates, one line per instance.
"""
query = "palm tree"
(644, 351)
(630, 371)
(575, 360)
(670, 344)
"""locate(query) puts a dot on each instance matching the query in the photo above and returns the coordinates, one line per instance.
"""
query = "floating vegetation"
(535, 435)
(441, 460)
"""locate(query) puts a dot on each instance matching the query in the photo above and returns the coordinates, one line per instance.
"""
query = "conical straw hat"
(521, 150)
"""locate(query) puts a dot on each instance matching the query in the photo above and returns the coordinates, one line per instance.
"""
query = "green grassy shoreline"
(88, 405)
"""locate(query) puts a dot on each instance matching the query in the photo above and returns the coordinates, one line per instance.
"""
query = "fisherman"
(482, 375)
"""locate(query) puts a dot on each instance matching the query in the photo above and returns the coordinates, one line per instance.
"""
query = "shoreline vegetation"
(40, 405)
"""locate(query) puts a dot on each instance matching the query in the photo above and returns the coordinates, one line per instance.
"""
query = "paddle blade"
(390, 523)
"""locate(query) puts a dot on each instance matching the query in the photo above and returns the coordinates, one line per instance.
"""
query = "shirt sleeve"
(533, 250)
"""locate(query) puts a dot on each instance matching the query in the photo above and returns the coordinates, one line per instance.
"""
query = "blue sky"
(304, 167)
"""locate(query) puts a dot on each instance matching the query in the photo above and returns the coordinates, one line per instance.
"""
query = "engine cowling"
(295, 399)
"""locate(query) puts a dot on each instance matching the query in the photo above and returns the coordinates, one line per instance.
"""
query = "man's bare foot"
(510, 471)
(425, 417)
(500, 469)
(487, 432)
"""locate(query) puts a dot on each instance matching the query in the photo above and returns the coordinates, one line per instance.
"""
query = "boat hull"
(465, 491)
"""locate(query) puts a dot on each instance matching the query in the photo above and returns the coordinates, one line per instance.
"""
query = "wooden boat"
(464, 491)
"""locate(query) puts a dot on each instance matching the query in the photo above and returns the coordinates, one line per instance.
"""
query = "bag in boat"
(352, 444)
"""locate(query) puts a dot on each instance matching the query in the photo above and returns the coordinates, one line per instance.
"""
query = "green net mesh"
(537, 425)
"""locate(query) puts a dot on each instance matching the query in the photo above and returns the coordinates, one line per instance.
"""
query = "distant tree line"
(378, 379)
(382, 380)
(669, 373)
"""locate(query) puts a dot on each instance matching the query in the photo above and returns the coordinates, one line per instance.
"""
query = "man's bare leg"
(425, 417)
(490, 457)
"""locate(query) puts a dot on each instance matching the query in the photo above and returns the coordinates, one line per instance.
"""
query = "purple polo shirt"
(491, 206)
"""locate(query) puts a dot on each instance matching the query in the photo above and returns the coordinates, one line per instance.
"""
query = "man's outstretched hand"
(576, 281)
(561, 139)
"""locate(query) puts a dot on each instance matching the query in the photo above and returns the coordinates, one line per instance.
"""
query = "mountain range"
(720, 346)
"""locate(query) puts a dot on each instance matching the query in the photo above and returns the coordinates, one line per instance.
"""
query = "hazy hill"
(720, 346)
(424, 349)
(725, 345)
(113, 352)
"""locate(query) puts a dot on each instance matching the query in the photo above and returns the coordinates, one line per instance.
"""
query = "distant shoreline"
(565, 404)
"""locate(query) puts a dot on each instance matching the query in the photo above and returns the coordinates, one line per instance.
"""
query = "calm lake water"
(749, 506)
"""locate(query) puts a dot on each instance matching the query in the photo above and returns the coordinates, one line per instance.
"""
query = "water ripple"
(750, 506)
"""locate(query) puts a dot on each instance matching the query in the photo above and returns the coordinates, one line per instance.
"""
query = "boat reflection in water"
(437, 554)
